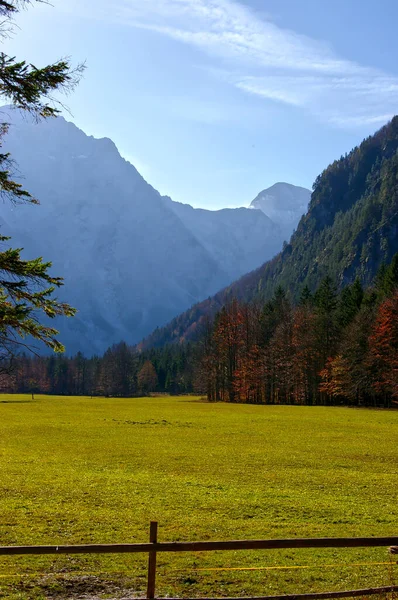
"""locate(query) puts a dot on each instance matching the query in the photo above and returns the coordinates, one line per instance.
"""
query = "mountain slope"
(350, 229)
(131, 258)
(237, 238)
(107, 232)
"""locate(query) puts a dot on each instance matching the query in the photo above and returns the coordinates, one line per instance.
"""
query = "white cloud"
(263, 59)
(343, 101)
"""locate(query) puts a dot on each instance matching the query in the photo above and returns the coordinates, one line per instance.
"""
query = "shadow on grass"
(17, 401)
(199, 401)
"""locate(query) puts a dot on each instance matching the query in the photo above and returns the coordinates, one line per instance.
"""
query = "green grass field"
(81, 470)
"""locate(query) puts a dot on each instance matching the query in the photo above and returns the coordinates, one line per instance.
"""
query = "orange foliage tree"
(383, 349)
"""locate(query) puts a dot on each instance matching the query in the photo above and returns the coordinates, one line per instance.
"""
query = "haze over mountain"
(349, 231)
(131, 258)
(285, 204)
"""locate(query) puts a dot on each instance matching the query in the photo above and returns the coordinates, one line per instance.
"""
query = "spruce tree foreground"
(27, 286)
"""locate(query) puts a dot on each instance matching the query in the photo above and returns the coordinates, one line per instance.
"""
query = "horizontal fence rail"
(315, 596)
(204, 546)
(153, 547)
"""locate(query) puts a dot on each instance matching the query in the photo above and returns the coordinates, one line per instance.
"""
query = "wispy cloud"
(260, 58)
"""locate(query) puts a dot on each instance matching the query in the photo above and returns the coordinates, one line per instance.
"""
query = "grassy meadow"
(81, 470)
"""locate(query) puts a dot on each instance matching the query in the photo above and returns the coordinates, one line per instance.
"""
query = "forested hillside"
(349, 230)
(329, 348)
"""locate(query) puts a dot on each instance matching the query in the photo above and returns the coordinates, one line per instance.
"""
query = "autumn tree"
(333, 379)
(282, 356)
(147, 378)
(227, 339)
(249, 372)
(383, 349)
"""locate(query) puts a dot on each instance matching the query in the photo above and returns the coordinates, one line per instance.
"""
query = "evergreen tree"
(305, 364)
(390, 279)
(349, 303)
(326, 326)
(306, 298)
(26, 286)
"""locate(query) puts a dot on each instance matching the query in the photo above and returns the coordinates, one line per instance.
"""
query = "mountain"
(236, 238)
(348, 232)
(284, 204)
(131, 258)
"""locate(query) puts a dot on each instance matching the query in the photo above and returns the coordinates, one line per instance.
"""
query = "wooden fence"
(153, 547)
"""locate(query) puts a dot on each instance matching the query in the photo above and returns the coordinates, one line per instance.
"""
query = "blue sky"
(215, 100)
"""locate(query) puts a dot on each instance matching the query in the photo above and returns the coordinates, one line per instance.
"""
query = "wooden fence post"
(153, 538)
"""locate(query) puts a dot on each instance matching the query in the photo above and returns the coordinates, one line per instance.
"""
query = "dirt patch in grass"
(85, 587)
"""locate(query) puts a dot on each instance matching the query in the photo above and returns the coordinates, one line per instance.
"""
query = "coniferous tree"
(282, 356)
(355, 350)
(305, 364)
(390, 277)
(26, 286)
(326, 322)
(306, 298)
(349, 303)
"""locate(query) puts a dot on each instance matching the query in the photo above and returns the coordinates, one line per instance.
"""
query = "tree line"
(121, 371)
(330, 348)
